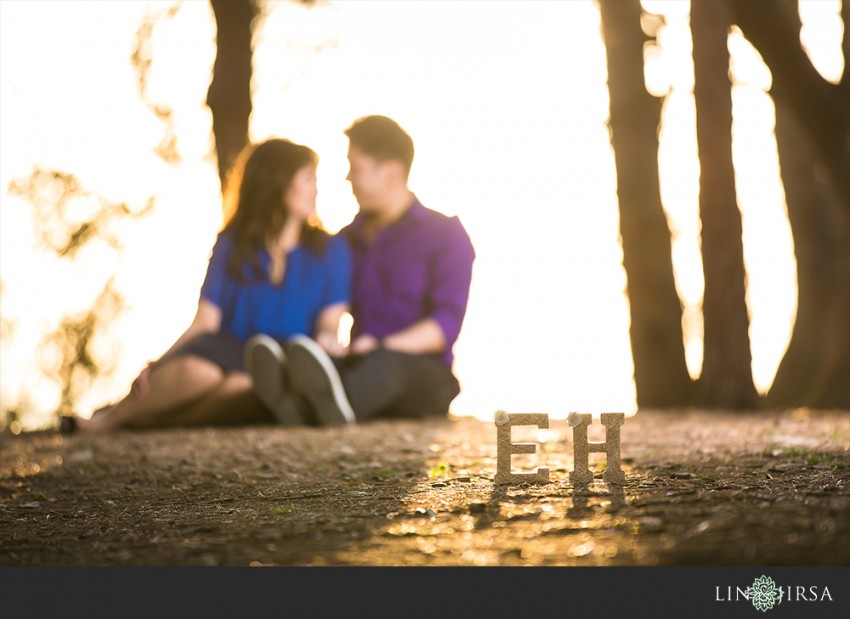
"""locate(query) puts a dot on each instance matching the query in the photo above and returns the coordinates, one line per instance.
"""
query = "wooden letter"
(505, 448)
(581, 448)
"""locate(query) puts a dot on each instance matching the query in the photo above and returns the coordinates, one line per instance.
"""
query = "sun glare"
(511, 135)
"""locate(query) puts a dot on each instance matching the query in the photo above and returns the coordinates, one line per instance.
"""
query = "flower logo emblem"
(763, 593)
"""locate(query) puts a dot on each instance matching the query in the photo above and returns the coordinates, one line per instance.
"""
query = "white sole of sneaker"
(303, 351)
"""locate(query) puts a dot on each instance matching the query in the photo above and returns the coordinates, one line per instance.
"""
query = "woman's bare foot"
(103, 410)
(93, 425)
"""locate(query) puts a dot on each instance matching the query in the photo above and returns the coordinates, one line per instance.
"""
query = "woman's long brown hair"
(254, 201)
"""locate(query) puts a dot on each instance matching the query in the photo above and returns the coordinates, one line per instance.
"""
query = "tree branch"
(823, 108)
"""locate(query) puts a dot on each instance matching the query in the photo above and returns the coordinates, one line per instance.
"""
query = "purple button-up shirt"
(418, 267)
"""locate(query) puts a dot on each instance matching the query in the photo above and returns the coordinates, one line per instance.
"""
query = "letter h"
(581, 447)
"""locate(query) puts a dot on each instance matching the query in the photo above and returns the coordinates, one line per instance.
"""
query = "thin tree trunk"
(661, 374)
(229, 95)
(727, 378)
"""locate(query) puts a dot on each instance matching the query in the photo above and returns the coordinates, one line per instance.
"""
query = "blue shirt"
(418, 267)
(310, 283)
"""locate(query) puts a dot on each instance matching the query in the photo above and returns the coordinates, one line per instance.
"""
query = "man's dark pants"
(390, 384)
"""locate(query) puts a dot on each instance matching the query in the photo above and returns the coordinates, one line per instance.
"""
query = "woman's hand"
(327, 329)
(330, 343)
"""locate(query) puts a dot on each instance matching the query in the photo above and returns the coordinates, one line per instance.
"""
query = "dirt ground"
(702, 489)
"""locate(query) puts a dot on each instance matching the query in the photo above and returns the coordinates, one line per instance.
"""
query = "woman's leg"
(232, 402)
(176, 383)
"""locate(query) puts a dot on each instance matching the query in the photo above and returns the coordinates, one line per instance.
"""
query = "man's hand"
(364, 344)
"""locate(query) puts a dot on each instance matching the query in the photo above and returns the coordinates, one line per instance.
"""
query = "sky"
(507, 104)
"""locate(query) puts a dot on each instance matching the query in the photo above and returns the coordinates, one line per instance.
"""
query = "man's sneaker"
(265, 361)
(311, 372)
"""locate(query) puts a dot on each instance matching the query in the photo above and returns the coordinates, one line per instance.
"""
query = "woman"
(274, 273)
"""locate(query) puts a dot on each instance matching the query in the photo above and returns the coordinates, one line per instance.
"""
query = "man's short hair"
(383, 139)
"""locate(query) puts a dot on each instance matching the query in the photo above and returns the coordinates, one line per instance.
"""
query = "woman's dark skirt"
(224, 350)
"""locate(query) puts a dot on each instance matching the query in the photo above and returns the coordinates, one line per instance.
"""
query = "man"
(412, 268)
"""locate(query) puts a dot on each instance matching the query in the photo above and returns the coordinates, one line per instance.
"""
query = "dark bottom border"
(439, 592)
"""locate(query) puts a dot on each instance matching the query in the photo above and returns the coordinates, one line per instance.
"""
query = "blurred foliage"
(7, 325)
(66, 219)
(75, 366)
(142, 61)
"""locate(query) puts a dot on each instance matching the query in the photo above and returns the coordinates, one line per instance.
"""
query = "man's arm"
(421, 338)
(449, 296)
(447, 301)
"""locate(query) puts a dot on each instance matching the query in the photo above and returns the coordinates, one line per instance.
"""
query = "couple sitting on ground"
(264, 344)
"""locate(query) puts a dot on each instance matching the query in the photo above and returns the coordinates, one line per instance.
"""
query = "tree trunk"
(229, 95)
(661, 374)
(727, 377)
(815, 369)
(823, 108)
